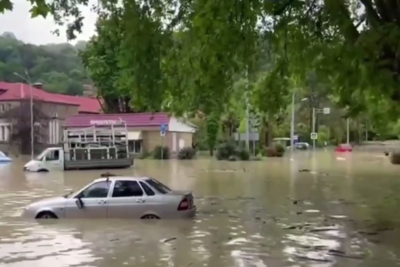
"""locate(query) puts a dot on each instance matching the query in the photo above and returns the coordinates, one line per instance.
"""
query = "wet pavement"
(315, 210)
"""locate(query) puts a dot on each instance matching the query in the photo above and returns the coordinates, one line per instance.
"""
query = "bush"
(395, 158)
(225, 150)
(280, 150)
(242, 154)
(276, 150)
(143, 155)
(187, 153)
(229, 151)
(157, 152)
(232, 158)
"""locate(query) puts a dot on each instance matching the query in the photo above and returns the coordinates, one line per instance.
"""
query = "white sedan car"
(117, 197)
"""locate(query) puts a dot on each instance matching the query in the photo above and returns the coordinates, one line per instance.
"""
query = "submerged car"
(4, 158)
(344, 148)
(302, 146)
(117, 197)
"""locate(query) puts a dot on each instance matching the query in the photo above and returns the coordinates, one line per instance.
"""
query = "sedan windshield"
(160, 187)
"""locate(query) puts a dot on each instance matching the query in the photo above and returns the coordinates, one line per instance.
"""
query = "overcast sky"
(38, 30)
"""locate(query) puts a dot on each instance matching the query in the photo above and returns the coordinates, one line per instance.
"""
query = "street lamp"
(28, 80)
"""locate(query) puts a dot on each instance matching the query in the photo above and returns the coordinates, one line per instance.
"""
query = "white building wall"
(176, 125)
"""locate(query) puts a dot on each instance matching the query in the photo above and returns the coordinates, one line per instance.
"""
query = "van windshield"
(160, 187)
(42, 155)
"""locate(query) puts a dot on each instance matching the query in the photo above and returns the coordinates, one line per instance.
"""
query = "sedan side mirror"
(79, 203)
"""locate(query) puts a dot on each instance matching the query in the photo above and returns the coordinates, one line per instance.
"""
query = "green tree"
(57, 67)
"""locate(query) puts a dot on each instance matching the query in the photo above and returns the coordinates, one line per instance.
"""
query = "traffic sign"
(326, 110)
(163, 129)
(314, 136)
(295, 137)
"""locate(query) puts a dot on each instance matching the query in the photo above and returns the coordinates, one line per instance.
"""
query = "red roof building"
(19, 91)
(131, 119)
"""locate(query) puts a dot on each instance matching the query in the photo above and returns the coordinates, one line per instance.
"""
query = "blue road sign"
(163, 128)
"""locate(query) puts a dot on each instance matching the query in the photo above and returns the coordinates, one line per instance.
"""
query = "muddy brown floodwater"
(321, 210)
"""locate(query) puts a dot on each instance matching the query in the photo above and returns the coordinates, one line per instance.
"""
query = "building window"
(2, 107)
(135, 146)
(3, 133)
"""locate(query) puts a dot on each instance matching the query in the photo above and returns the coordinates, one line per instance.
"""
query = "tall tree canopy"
(185, 56)
(57, 66)
(351, 46)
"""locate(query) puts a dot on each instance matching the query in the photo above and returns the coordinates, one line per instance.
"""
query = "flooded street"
(317, 211)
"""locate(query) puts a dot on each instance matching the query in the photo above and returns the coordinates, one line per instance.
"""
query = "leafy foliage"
(275, 150)
(58, 67)
(229, 151)
(242, 153)
(212, 126)
(64, 12)
(161, 152)
(193, 56)
(225, 150)
(187, 153)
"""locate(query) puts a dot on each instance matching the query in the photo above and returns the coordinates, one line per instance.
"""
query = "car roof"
(117, 178)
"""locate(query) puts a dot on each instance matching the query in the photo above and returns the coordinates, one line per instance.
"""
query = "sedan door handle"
(102, 202)
(140, 201)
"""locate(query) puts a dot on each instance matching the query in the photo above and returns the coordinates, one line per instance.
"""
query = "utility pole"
(28, 80)
(247, 113)
(292, 122)
(313, 125)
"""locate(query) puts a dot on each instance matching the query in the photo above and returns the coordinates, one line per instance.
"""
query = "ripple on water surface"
(245, 218)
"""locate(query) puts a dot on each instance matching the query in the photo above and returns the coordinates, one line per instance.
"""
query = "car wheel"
(43, 170)
(46, 215)
(150, 217)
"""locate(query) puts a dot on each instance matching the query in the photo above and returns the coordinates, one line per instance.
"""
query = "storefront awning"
(135, 135)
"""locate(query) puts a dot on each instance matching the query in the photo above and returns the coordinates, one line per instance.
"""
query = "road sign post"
(254, 124)
(326, 111)
(314, 136)
(163, 128)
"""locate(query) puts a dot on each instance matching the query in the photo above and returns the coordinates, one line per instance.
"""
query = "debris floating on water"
(166, 240)
(337, 216)
(325, 228)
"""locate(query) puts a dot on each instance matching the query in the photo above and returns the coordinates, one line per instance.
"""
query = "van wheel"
(150, 217)
(43, 170)
(46, 215)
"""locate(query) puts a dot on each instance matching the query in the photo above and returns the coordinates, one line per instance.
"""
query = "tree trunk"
(269, 133)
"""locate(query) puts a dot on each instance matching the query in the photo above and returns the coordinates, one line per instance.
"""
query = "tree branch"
(372, 16)
(340, 15)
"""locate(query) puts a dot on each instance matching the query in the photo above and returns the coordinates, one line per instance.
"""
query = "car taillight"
(184, 204)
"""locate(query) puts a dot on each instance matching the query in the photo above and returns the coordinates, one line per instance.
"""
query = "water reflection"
(263, 213)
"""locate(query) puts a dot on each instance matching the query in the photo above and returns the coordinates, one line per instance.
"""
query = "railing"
(103, 136)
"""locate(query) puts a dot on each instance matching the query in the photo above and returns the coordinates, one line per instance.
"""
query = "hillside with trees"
(57, 66)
